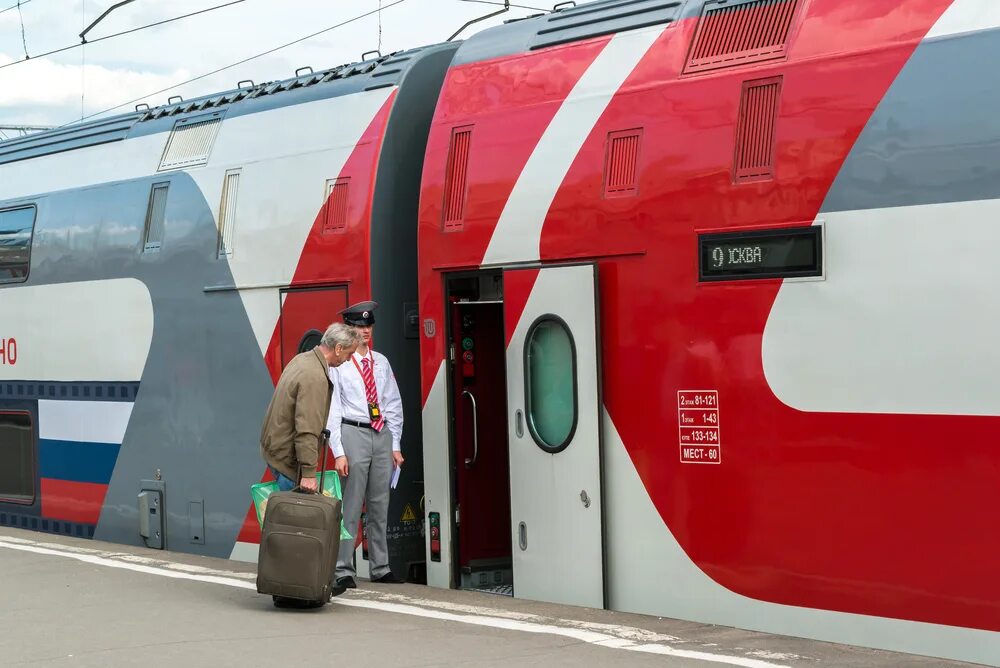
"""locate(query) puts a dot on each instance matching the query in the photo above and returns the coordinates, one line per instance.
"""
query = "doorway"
(525, 397)
(480, 463)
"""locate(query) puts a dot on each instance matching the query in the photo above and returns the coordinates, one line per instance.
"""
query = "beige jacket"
(289, 439)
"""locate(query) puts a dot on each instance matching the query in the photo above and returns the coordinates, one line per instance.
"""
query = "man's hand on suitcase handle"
(340, 465)
(309, 484)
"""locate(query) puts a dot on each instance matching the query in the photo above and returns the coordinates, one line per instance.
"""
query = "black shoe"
(343, 584)
(388, 578)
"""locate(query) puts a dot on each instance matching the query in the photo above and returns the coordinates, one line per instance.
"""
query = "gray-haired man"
(289, 439)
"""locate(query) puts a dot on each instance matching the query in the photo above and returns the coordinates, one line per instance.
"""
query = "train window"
(155, 214)
(227, 212)
(550, 383)
(16, 227)
(17, 457)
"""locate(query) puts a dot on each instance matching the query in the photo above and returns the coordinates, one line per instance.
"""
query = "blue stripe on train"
(77, 461)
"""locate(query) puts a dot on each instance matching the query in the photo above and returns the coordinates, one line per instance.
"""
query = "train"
(664, 284)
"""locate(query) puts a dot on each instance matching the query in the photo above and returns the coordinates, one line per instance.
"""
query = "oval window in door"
(550, 383)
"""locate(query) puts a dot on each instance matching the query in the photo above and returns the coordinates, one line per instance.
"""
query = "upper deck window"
(16, 228)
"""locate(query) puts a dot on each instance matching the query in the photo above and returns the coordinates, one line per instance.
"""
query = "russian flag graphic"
(78, 446)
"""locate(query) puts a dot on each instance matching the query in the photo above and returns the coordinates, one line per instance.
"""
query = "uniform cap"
(360, 314)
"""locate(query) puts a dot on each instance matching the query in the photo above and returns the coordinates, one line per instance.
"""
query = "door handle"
(518, 423)
(469, 463)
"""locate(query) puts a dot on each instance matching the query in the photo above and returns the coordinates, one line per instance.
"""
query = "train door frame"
(495, 293)
(486, 288)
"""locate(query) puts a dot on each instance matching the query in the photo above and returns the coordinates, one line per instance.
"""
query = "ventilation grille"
(155, 216)
(736, 34)
(337, 191)
(227, 213)
(754, 156)
(190, 143)
(456, 178)
(621, 164)
(596, 19)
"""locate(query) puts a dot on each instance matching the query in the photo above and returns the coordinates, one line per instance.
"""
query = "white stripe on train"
(518, 233)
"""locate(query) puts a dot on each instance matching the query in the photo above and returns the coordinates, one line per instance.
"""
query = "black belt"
(355, 423)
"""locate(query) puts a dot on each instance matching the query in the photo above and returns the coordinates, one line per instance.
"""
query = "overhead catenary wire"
(24, 39)
(119, 34)
(83, 58)
(240, 62)
(15, 6)
(501, 4)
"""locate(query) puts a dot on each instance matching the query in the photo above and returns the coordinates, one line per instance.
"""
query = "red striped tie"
(370, 391)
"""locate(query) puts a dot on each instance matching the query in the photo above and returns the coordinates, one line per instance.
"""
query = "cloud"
(47, 90)
(44, 83)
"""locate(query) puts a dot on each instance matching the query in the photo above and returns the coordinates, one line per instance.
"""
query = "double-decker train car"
(689, 303)
(158, 270)
(707, 310)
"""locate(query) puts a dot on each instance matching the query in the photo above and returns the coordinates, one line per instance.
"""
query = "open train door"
(553, 397)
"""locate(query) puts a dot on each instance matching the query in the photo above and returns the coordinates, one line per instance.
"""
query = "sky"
(62, 88)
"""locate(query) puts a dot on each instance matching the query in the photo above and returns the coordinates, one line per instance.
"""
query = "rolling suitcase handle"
(324, 443)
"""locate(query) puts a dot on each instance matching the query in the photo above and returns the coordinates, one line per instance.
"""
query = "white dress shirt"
(350, 400)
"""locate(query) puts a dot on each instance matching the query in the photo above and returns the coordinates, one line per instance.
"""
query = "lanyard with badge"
(373, 410)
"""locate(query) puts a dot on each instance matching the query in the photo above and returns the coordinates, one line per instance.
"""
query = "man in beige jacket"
(289, 439)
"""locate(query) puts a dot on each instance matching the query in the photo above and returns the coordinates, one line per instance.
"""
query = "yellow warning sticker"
(408, 514)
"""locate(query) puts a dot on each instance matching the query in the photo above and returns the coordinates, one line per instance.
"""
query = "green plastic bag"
(262, 490)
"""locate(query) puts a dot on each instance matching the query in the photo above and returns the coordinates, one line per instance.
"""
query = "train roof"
(571, 24)
(366, 75)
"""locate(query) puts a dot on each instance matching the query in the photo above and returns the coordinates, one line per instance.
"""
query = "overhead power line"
(501, 4)
(15, 6)
(123, 32)
(245, 60)
(24, 39)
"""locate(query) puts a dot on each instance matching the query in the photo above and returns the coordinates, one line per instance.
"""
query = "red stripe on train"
(68, 501)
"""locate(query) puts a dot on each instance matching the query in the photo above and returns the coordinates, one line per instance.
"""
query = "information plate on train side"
(784, 253)
(698, 426)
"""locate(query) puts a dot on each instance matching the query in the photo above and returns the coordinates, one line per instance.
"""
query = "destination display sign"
(785, 253)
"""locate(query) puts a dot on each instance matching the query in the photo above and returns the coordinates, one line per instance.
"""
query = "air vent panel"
(621, 173)
(754, 156)
(731, 34)
(456, 178)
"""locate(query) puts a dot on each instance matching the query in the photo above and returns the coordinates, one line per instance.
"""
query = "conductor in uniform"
(366, 425)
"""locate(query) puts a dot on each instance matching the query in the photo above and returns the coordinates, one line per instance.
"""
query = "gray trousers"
(369, 460)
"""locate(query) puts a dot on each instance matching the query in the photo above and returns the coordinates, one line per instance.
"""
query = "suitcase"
(299, 543)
